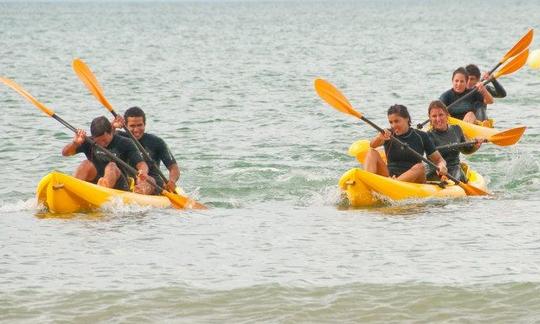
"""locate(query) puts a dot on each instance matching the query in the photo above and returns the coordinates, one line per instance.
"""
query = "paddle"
(519, 47)
(504, 138)
(89, 79)
(458, 145)
(335, 99)
(515, 64)
(177, 201)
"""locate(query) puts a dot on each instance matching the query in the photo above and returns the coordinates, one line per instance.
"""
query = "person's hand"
(485, 76)
(479, 142)
(171, 186)
(80, 137)
(384, 136)
(442, 171)
(481, 88)
(118, 122)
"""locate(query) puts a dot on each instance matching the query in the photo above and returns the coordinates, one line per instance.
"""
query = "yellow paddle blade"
(89, 79)
(28, 96)
(507, 137)
(334, 98)
(515, 64)
(520, 46)
(182, 202)
(472, 190)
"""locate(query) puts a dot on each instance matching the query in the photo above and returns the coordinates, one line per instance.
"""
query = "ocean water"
(229, 85)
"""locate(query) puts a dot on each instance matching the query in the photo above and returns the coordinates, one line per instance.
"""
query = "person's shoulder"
(121, 140)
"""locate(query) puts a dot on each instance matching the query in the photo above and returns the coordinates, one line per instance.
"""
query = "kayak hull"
(61, 193)
(364, 188)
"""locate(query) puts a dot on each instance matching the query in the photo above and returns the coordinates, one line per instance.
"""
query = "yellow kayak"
(508, 137)
(62, 193)
(364, 188)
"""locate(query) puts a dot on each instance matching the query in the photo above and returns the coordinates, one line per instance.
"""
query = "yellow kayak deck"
(364, 188)
(62, 193)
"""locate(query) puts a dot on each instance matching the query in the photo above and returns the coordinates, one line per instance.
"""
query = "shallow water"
(230, 87)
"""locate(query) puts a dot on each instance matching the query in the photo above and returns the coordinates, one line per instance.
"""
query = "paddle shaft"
(145, 154)
(418, 155)
(458, 145)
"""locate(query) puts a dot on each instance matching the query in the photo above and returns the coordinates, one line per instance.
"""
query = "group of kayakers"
(98, 167)
(402, 164)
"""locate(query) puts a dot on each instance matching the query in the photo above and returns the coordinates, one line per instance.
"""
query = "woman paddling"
(443, 134)
(402, 164)
(465, 109)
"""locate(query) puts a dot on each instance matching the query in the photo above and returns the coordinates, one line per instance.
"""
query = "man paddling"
(496, 91)
(158, 151)
(97, 168)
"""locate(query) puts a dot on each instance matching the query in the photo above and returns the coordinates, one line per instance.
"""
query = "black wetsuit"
(399, 158)
(158, 151)
(496, 91)
(463, 107)
(454, 134)
(123, 148)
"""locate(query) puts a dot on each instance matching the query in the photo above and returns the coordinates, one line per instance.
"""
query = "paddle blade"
(507, 137)
(334, 98)
(28, 96)
(89, 79)
(520, 46)
(472, 190)
(182, 202)
(515, 64)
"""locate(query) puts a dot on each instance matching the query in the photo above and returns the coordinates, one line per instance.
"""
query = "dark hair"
(135, 112)
(437, 104)
(401, 111)
(100, 125)
(460, 70)
(473, 70)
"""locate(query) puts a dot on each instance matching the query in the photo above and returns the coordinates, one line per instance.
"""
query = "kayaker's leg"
(415, 174)
(111, 175)
(86, 171)
(469, 117)
(375, 164)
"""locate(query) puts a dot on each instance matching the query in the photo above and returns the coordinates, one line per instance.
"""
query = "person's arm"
(488, 99)
(497, 91)
(470, 148)
(174, 175)
(437, 158)
(78, 140)
(142, 167)
(380, 139)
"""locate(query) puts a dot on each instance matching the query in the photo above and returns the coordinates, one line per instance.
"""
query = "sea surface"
(229, 86)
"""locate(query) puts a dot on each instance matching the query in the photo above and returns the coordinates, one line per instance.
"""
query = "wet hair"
(401, 111)
(437, 104)
(460, 70)
(100, 125)
(135, 112)
(473, 70)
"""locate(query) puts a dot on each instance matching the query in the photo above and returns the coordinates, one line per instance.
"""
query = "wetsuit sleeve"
(466, 149)
(429, 147)
(165, 154)
(86, 149)
(497, 91)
